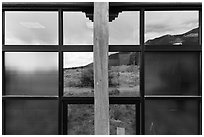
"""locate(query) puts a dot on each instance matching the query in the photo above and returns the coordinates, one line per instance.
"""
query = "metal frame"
(60, 48)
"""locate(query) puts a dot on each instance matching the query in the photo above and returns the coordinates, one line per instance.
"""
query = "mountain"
(122, 58)
(128, 58)
(188, 38)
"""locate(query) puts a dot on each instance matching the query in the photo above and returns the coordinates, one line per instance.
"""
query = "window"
(154, 68)
(31, 28)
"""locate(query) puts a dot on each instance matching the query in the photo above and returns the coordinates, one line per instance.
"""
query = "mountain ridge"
(187, 38)
(127, 58)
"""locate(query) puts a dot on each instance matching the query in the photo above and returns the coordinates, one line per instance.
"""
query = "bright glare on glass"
(31, 28)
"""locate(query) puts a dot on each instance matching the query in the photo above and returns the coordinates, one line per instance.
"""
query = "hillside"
(126, 58)
(118, 59)
(188, 38)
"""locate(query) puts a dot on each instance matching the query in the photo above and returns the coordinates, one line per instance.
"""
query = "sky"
(41, 28)
(159, 23)
(76, 59)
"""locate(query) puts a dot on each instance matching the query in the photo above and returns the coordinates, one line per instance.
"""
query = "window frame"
(60, 7)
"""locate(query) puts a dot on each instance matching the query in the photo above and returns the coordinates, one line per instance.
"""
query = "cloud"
(159, 23)
(32, 25)
(31, 28)
(157, 28)
(124, 30)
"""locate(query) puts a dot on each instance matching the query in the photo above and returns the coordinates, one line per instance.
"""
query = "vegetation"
(80, 81)
(81, 119)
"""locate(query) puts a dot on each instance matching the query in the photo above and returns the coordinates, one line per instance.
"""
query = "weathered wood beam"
(101, 100)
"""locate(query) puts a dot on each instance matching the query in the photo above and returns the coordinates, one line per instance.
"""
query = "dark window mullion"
(200, 26)
(77, 48)
(3, 28)
(200, 74)
(61, 76)
(3, 117)
(137, 117)
(65, 118)
(124, 48)
(30, 48)
(142, 75)
(200, 118)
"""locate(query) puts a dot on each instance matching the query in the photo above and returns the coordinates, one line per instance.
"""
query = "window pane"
(31, 73)
(171, 73)
(31, 117)
(78, 29)
(171, 27)
(81, 119)
(124, 69)
(78, 74)
(171, 117)
(31, 28)
(124, 30)
(122, 119)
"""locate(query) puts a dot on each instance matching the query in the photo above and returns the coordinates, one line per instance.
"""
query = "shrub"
(87, 78)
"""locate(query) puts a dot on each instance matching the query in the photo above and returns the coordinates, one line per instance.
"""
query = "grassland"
(81, 119)
(123, 81)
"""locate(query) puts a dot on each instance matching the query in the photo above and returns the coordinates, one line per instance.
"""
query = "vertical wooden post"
(101, 100)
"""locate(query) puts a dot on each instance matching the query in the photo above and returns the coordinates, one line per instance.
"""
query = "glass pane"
(31, 28)
(78, 74)
(164, 117)
(171, 27)
(31, 73)
(124, 30)
(122, 119)
(31, 117)
(124, 69)
(81, 119)
(78, 29)
(171, 73)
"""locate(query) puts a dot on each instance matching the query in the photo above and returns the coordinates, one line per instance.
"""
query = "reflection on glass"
(171, 117)
(31, 28)
(78, 74)
(31, 117)
(81, 119)
(124, 73)
(31, 73)
(78, 29)
(171, 73)
(122, 119)
(171, 27)
(124, 30)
